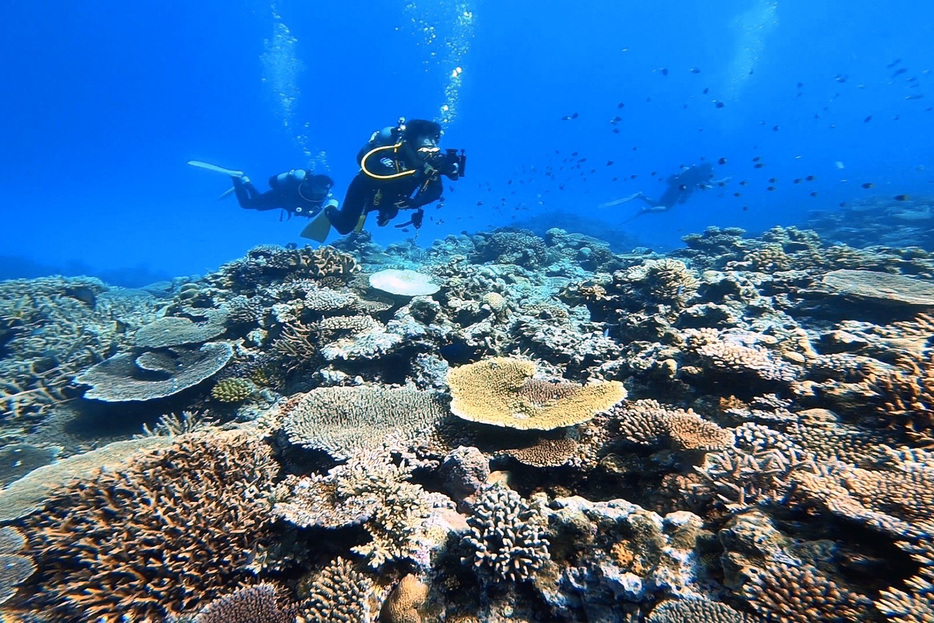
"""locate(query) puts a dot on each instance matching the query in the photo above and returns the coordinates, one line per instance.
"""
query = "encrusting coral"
(501, 392)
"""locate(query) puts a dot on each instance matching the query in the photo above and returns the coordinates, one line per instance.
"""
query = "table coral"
(339, 420)
(502, 392)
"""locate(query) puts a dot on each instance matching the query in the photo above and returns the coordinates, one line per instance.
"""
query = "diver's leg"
(346, 219)
(251, 199)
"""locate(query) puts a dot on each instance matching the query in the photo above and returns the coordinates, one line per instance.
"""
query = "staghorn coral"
(232, 390)
(339, 420)
(268, 264)
(906, 394)
(506, 537)
(368, 489)
(502, 392)
(340, 593)
(802, 594)
(252, 604)
(916, 605)
(206, 506)
(148, 376)
(30, 493)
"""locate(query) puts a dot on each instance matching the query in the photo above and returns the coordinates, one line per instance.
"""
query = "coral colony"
(501, 427)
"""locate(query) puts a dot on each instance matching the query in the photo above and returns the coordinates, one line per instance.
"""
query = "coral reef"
(468, 455)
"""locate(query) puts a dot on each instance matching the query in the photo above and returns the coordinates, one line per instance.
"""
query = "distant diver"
(400, 169)
(681, 186)
(298, 191)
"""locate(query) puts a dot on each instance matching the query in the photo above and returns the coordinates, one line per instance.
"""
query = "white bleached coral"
(403, 282)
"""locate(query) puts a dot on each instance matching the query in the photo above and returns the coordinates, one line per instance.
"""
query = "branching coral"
(368, 489)
(202, 507)
(340, 593)
(253, 604)
(730, 353)
(647, 422)
(507, 536)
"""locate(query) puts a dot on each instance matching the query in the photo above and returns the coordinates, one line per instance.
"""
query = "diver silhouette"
(400, 169)
(298, 191)
(680, 187)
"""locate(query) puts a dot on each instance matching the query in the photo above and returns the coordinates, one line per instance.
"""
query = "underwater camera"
(452, 163)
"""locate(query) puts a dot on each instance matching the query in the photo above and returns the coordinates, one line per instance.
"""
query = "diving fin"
(226, 193)
(215, 168)
(360, 223)
(318, 229)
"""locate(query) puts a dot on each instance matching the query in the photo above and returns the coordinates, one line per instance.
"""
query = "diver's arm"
(426, 194)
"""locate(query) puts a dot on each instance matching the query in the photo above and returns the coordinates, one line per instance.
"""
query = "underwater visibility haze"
(638, 328)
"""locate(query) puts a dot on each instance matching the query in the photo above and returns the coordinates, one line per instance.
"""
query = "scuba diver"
(297, 191)
(400, 169)
(681, 186)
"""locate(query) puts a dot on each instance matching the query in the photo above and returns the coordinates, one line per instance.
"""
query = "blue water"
(103, 103)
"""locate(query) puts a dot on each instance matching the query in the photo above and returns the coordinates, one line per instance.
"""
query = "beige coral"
(202, 506)
(339, 420)
(404, 601)
(502, 392)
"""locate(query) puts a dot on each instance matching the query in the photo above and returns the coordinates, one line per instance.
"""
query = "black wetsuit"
(681, 186)
(287, 191)
(387, 196)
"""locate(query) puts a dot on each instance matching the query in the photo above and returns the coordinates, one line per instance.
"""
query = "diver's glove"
(385, 215)
(417, 218)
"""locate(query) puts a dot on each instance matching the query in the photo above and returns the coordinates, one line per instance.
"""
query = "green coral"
(233, 390)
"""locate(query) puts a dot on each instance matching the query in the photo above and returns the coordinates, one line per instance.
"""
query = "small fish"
(811, 178)
(770, 188)
(664, 71)
(757, 159)
(737, 194)
(743, 183)
(915, 96)
(721, 161)
(566, 118)
(706, 90)
(574, 115)
(772, 180)
(867, 185)
(893, 63)
(615, 130)
(901, 197)
(682, 187)
(797, 180)
(616, 119)
(813, 193)
(609, 163)
(758, 165)
(621, 104)
(745, 208)
(867, 119)
(479, 203)
(899, 71)
(840, 78)
(719, 104)
(800, 84)
(775, 128)
(573, 154)
(695, 70)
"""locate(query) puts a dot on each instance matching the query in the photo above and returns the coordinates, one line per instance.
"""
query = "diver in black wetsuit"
(681, 186)
(400, 169)
(297, 191)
